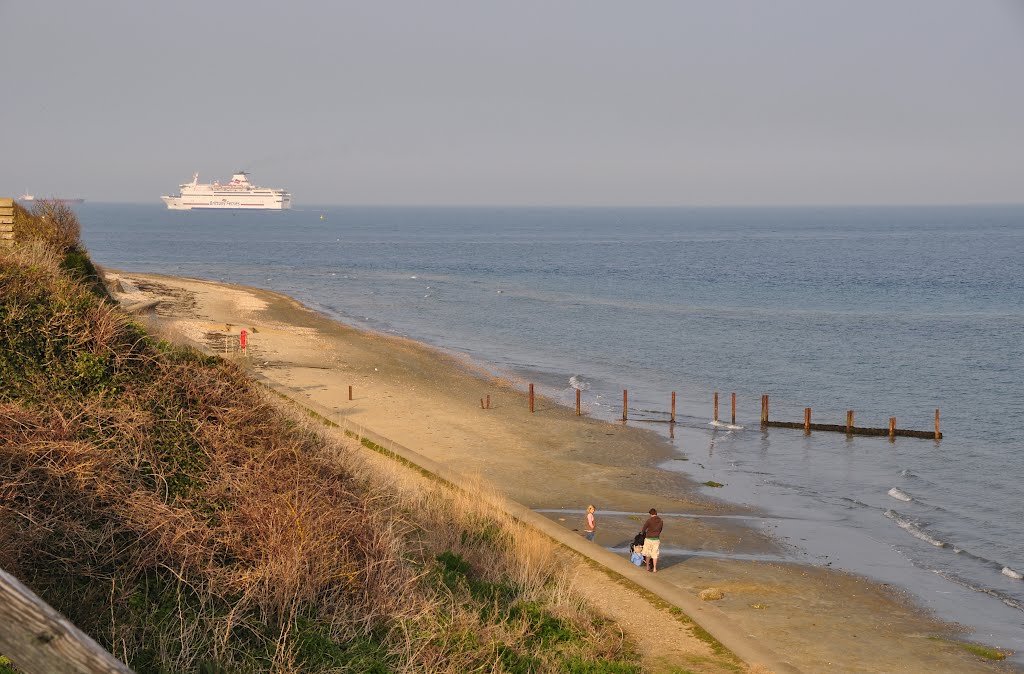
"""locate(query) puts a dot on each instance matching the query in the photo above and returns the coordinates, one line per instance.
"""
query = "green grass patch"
(712, 483)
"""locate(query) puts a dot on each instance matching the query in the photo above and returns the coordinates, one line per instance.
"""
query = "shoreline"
(426, 398)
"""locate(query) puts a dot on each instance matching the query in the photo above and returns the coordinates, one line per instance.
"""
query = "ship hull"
(226, 203)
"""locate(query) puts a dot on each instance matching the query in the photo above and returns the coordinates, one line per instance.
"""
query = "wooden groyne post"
(577, 402)
(733, 408)
(673, 417)
(807, 420)
(625, 404)
(938, 436)
(350, 392)
(716, 408)
(531, 398)
(849, 422)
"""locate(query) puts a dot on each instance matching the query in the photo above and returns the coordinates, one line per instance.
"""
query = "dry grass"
(173, 511)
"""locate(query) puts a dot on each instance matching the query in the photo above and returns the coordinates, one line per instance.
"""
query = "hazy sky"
(524, 102)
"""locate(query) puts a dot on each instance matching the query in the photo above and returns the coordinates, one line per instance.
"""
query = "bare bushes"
(51, 221)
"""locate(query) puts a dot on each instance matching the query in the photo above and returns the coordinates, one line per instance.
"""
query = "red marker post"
(243, 339)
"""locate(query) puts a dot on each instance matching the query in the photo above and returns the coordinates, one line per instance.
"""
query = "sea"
(887, 311)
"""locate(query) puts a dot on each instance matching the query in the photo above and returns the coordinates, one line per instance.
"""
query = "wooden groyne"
(849, 428)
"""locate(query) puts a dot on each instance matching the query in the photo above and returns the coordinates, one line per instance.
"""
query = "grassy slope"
(170, 509)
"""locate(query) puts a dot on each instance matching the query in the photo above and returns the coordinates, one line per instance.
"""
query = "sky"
(566, 102)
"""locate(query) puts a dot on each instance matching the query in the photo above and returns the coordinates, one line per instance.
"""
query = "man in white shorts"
(652, 539)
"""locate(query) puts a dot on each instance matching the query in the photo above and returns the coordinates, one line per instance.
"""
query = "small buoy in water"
(500, 291)
(322, 217)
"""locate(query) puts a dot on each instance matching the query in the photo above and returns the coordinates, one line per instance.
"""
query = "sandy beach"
(807, 618)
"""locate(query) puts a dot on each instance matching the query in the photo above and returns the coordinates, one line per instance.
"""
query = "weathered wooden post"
(578, 393)
(733, 408)
(482, 404)
(625, 403)
(716, 407)
(766, 408)
(350, 392)
(6, 221)
(39, 639)
(849, 422)
(807, 420)
(762, 410)
(937, 434)
(531, 398)
(488, 401)
(673, 417)
(892, 429)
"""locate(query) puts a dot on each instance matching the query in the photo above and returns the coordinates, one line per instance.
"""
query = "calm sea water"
(886, 311)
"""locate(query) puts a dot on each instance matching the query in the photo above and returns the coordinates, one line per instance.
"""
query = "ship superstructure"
(238, 194)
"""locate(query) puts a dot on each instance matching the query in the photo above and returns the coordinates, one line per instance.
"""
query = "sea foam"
(578, 382)
(1016, 575)
(912, 529)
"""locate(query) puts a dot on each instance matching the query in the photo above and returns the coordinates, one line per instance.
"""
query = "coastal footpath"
(425, 405)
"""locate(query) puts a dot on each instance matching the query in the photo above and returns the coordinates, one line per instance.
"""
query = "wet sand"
(814, 619)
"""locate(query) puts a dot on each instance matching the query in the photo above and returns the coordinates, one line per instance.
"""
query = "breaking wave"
(911, 528)
(578, 382)
(900, 495)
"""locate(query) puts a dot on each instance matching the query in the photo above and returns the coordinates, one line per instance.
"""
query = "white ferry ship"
(239, 194)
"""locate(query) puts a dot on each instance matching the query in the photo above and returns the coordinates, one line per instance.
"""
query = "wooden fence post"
(531, 398)
(673, 418)
(39, 639)
(6, 221)
(733, 408)
(625, 402)
(807, 420)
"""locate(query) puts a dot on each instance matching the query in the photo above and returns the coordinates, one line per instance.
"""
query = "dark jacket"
(652, 527)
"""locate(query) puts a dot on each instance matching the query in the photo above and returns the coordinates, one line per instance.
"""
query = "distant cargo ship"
(238, 194)
(31, 197)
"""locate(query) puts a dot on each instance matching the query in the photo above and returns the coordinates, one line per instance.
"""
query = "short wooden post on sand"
(766, 408)
(577, 402)
(734, 408)
(531, 398)
(849, 422)
(938, 435)
(715, 417)
(482, 404)
(350, 392)
(892, 429)
(807, 420)
(488, 401)
(625, 404)
(673, 417)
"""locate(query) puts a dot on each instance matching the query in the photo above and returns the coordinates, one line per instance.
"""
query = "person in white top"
(591, 523)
